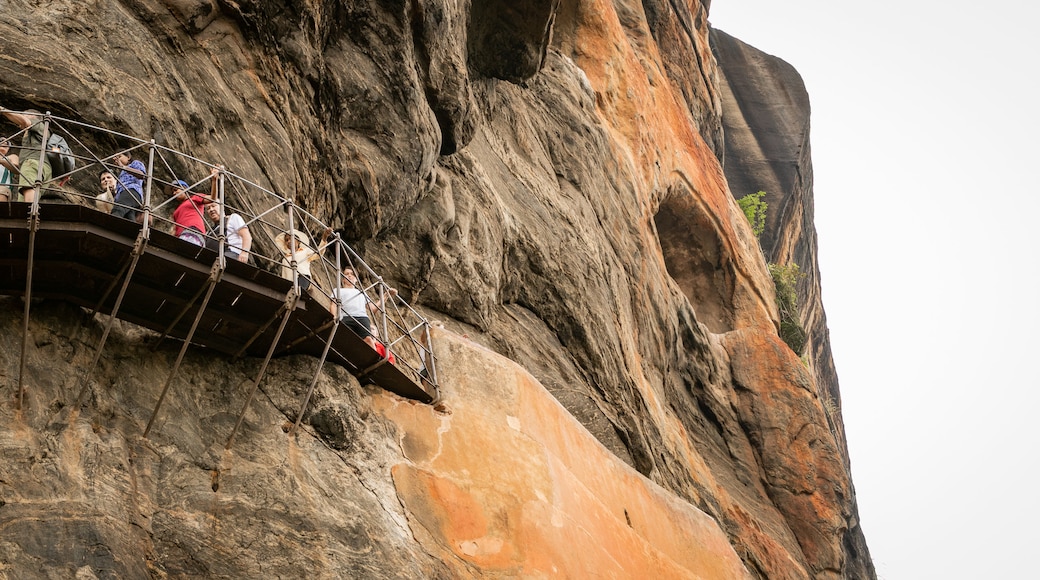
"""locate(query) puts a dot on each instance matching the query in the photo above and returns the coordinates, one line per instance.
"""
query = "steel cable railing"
(313, 255)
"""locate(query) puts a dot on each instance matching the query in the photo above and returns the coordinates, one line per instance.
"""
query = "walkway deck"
(81, 255)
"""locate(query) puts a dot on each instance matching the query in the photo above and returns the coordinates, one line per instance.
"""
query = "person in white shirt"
(239, 240)
(300, 252)
(355, 307)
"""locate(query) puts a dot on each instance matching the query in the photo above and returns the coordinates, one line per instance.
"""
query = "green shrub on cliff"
(755, 211)
(785, 278)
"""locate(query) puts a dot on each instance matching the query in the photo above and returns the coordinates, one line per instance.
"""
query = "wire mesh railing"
(51, 159)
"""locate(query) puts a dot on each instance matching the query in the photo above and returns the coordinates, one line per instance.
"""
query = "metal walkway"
(137, 272)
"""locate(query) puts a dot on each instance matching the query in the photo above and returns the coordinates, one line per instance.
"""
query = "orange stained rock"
(653, 133)
(809, 483)
(514, 486)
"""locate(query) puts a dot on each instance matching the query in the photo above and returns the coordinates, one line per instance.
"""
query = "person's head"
(180, 188)
(349, 276)
(123, 158)
(107, 179)
(213, 211)
(34, 115)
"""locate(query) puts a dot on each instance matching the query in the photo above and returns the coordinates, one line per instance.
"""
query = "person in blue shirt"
(130, 191)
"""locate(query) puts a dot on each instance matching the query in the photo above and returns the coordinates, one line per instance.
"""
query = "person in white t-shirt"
(355, 307)
(239, 240)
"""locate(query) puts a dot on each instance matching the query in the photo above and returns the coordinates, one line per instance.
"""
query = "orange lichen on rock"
(510, 484)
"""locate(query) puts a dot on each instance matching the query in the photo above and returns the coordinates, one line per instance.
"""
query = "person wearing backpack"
(8, 164)
(32, 142)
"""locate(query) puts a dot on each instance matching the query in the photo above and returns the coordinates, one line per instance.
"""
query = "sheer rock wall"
(541, 175)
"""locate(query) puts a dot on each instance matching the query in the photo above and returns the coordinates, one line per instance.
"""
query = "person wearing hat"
(188, 221)
(300, 252)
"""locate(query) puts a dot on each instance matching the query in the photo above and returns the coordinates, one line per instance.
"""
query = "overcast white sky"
(925, 147)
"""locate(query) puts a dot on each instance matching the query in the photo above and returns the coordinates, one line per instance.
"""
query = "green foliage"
(785, 278)
(755, 211)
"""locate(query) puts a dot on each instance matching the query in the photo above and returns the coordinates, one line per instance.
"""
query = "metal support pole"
(135, 255)
(221, 221)
(385, 338)
(332, 335)
(431, 364)
(292, 250)
(314, 381)
(147, 201)
(290, 302)
(214, 278)
(34, 226)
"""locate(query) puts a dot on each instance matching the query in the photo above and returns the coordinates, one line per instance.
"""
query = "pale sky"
(925, 138)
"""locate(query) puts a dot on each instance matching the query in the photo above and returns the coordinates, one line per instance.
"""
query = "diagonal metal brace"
(135, 254)
(215, 273)
(314, 381)
(211, 285)
(290, 306)
(34, 226)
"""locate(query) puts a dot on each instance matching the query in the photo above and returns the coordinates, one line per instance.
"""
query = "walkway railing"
(286, 238)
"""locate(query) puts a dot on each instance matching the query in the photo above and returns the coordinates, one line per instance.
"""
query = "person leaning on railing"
(32, 143)
(8, 168)
(130, 191)
(239, 240)
(104, 200)
(188, 223)
(300, 252)
(355, 307)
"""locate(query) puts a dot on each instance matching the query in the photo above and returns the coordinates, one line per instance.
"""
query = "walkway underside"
(82, 255)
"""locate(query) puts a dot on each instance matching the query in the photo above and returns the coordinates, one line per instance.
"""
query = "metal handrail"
(403, 330)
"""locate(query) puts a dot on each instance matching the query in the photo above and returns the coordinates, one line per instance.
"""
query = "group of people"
(355, 307)
(122, 195)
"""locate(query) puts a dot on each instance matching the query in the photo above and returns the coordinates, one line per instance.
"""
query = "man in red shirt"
(188, 221)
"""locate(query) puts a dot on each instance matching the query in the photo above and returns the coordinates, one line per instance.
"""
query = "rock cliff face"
(766, 123)
(540, 175)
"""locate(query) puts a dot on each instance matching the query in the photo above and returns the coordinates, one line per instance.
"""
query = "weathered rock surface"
(541, 175)
(766, 122)
(499, 481)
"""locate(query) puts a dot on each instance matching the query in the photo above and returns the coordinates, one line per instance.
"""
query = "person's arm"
(374, 308)
(10, 161)
(214, 180)
(324, 240)
(23, 121)
(135, 167)
(247, 242)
